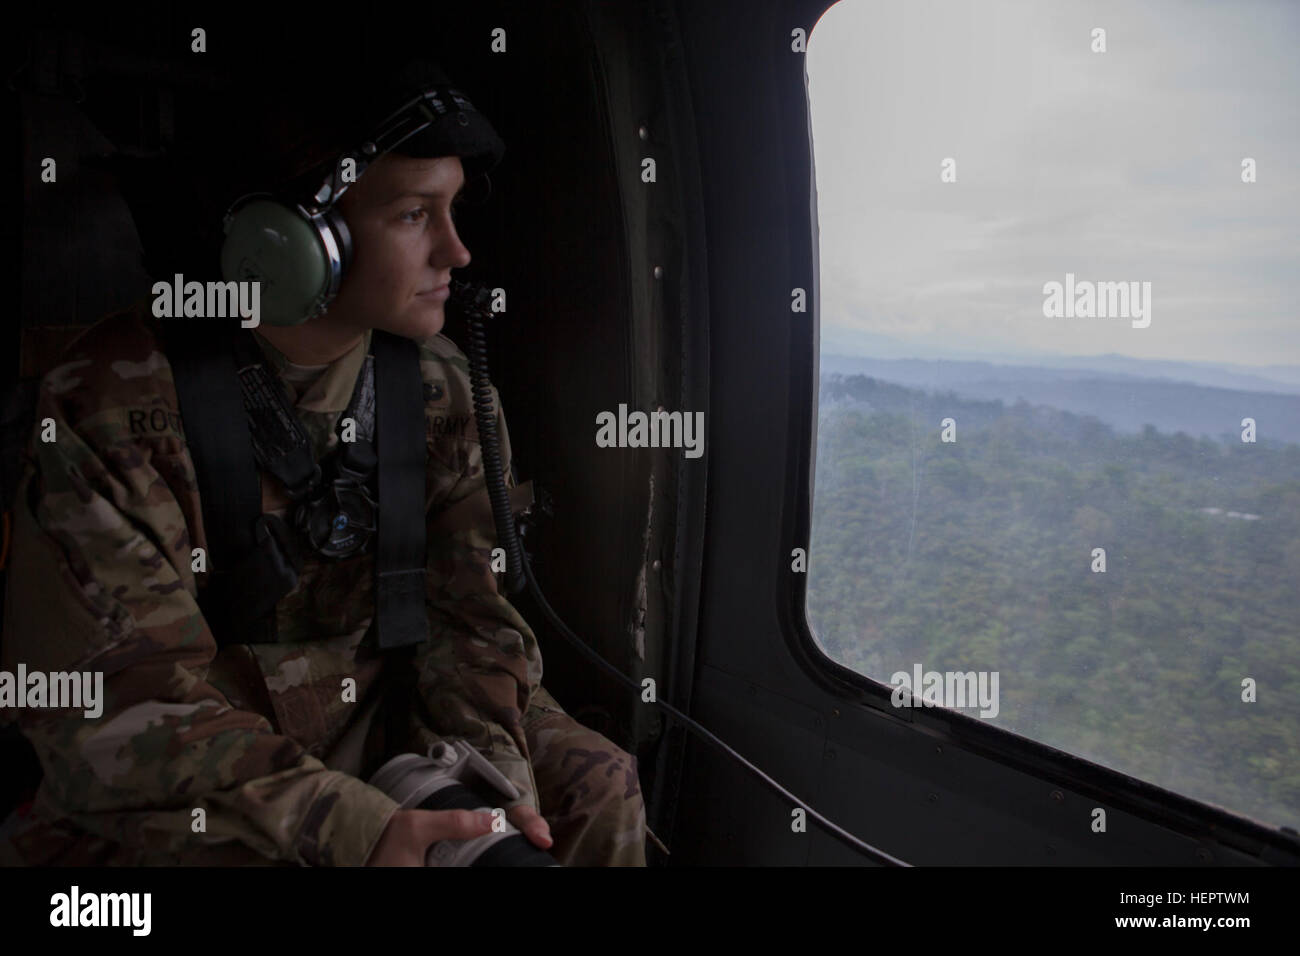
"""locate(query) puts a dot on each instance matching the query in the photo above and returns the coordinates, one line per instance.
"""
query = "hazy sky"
(1116, 166)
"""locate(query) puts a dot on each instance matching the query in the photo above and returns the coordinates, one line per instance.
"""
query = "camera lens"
(512, 849)
(438, 782)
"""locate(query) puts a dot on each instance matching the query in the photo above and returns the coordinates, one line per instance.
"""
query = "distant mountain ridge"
(844, 346)
(1124, 393)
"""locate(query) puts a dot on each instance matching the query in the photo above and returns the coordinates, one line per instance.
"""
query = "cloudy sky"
(1116, 166)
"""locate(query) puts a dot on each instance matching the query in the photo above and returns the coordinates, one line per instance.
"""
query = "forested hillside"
(977, 555)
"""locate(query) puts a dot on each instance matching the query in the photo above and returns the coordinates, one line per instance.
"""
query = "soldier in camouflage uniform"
(260, 736)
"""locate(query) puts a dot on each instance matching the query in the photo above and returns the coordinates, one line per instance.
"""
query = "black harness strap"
(251, 560)
(400, 564)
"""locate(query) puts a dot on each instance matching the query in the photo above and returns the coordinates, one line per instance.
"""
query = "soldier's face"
(404, 245)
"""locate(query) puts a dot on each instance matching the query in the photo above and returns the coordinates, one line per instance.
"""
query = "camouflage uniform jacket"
(100, 579)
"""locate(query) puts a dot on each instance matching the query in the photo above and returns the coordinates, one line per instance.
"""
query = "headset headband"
(404, 123)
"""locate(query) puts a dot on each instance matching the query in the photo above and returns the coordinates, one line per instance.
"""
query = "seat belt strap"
(251, 559)
(401, 559)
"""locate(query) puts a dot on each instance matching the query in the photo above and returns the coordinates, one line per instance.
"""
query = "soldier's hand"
(531, 823)
(406, 839)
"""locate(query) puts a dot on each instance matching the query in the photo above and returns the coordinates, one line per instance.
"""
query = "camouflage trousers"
(588, 790)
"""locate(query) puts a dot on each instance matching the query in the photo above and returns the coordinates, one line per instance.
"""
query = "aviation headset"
(294, 240)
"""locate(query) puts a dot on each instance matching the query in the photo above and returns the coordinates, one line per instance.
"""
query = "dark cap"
(457, 128)
(305, 129)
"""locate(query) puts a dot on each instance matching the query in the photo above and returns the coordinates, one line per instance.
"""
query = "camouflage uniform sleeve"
(95, 586)
(482, 664)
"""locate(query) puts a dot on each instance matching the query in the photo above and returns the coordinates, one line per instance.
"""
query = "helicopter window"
(1057, 477)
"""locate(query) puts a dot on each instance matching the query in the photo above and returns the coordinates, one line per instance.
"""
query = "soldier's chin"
(418, 322)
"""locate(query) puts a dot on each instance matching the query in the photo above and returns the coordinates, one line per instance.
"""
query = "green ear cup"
(299, 259)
